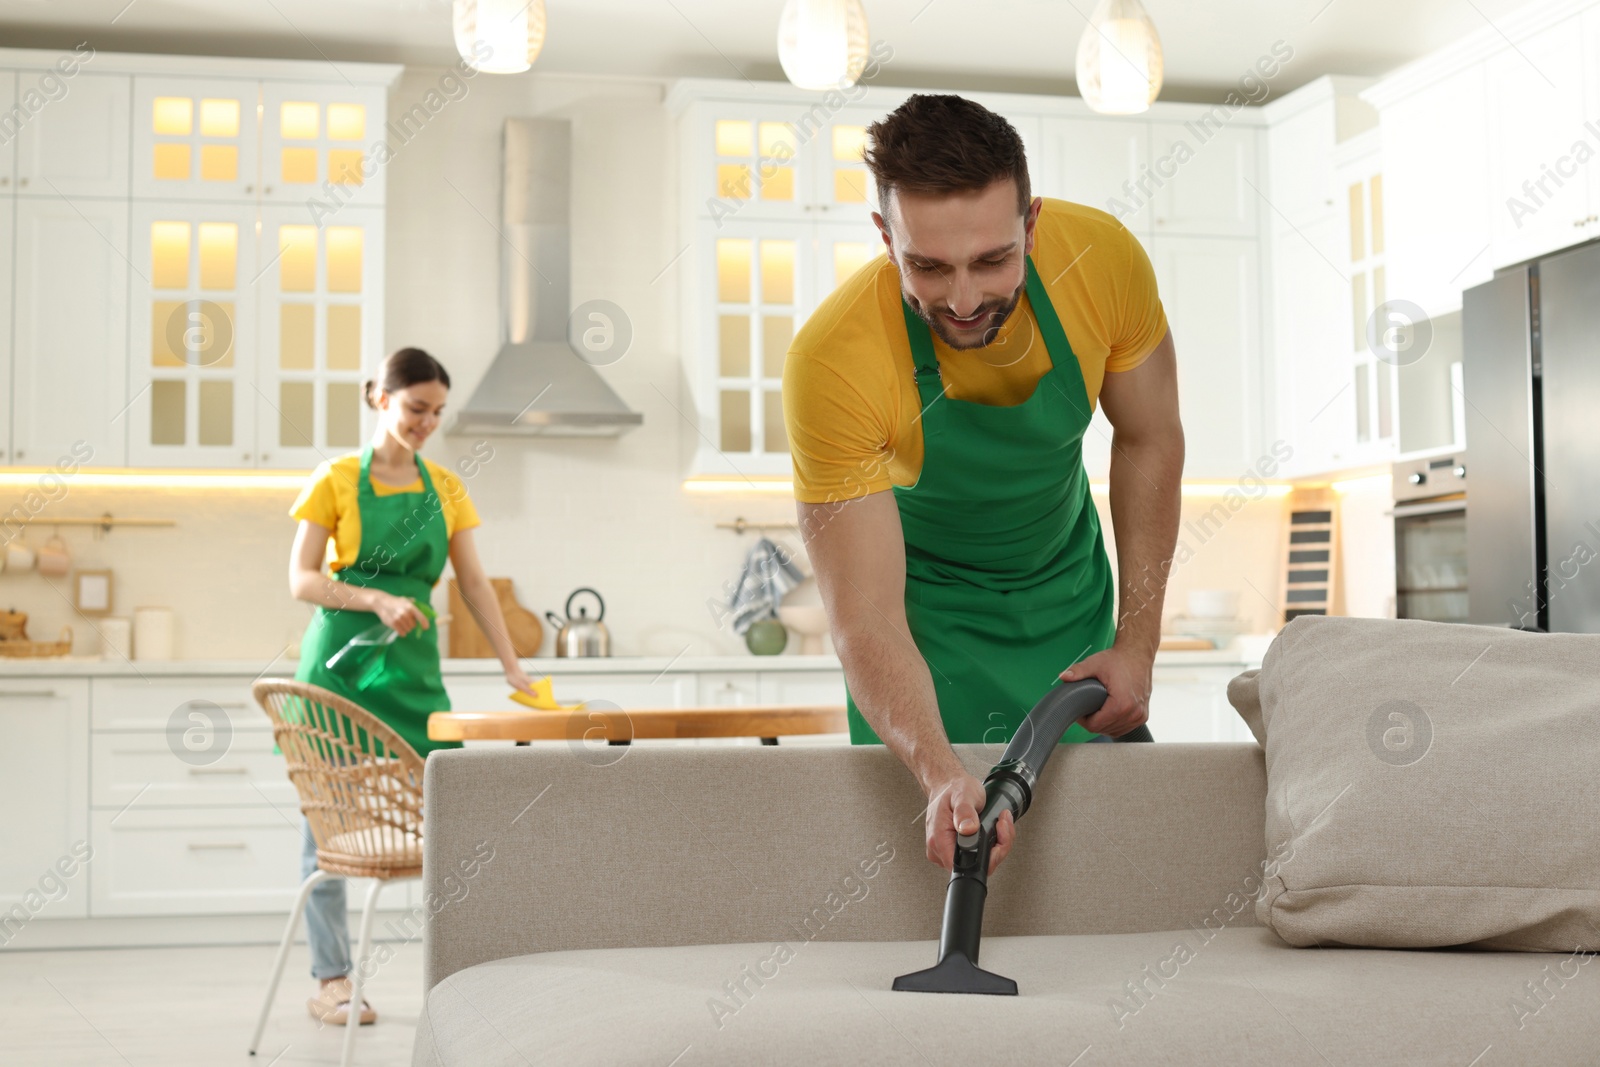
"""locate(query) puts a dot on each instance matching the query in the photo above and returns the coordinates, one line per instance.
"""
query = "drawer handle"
(197, 846)
(22, 693)
(202, 771)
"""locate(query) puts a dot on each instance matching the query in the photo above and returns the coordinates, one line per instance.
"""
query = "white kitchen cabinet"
(139, 766)
(1435, 158)
(1540, 197)
(1191, 704)
(8, 127)
(1312, 363)
(45, 790)
(8, 206)
(1299, 167)
(195, 138)
(148, 705)
(195, 860)
(801, 687)
(317, 144)
(731, 690)
(1205, 178)
(1210, 289)
(319, 324)
(70, 354)
(76, 144)
(192, 370)
(1098, 162)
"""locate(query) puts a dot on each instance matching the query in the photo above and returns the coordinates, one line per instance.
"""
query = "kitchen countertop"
(1245, 653)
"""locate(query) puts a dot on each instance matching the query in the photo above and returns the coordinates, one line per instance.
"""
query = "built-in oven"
(1430, 538)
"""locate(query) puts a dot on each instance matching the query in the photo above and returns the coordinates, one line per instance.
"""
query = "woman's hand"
(519, 679)
(399, 613)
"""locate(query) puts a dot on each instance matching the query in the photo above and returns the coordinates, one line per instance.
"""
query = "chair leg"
(356, 979)
(283, 953)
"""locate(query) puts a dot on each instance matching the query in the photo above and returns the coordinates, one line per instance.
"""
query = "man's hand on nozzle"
(953, 807)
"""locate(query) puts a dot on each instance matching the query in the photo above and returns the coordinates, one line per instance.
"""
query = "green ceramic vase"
(766, 637)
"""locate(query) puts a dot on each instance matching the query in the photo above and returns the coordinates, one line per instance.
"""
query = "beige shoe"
(331, 1005)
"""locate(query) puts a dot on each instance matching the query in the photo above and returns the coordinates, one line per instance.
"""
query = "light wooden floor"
(188, 1007)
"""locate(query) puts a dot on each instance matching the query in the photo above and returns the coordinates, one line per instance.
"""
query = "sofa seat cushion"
(1241, 997)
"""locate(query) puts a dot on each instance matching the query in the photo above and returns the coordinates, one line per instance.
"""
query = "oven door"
(1430, 560)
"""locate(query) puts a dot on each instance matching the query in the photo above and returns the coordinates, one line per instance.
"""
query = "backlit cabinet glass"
(195, 139)
(319, 328)
(192, 367)
(322, 146)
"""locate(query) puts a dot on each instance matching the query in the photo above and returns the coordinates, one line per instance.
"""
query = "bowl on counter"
(810, 622)
(1213, 603)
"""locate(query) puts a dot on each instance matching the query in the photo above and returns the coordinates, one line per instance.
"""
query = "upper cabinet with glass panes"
(226, 139)
(780, 161)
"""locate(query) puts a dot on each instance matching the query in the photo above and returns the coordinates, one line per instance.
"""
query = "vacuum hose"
(1009, 787)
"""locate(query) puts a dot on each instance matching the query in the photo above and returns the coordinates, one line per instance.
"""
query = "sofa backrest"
(537, 850)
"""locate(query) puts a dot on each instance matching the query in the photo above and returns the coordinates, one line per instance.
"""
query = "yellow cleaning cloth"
(544, 698)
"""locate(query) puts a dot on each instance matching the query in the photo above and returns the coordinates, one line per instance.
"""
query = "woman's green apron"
(404, 545)
(1007, 580)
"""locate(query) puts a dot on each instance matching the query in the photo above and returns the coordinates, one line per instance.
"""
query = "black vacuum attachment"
(1009, 787)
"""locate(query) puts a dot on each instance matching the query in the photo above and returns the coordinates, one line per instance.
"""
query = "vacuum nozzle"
(1009, 787)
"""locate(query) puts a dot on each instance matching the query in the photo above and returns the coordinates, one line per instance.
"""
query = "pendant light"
(1119, 64)
(822, 44)
(499, 36)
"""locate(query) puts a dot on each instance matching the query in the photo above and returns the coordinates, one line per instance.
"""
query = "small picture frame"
(91, 592)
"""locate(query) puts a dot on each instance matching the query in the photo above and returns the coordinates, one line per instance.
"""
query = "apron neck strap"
(364, 482)
(930, 386)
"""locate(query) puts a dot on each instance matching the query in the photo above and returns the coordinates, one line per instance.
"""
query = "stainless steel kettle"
(581, 636)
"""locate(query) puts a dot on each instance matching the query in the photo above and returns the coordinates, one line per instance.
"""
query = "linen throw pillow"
(1429, 784)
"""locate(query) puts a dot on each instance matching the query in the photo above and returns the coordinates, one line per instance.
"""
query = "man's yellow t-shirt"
(850, 402)
(331, 498)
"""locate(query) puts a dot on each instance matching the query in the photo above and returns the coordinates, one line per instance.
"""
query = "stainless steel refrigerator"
(1531, 374)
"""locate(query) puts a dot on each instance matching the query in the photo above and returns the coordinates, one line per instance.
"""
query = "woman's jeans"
(326, 929)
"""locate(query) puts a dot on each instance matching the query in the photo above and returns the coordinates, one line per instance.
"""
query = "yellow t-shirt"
(850, 402)
(330, 499)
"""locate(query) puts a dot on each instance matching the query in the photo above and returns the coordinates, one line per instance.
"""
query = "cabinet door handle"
(203, 771)
(200, 846)
(23, 182)
(231, 703)
(21, 694)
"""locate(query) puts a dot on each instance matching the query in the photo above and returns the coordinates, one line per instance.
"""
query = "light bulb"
(499, 36)
(1119, 66)
(822, 44)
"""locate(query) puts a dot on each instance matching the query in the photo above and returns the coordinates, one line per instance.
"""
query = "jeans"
(326, 929)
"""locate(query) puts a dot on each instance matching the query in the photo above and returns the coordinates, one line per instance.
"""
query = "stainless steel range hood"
(537, 384)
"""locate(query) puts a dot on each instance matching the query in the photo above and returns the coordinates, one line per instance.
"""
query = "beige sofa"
(744, 905)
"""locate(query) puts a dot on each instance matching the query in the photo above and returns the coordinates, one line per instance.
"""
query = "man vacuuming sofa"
(1417, 786)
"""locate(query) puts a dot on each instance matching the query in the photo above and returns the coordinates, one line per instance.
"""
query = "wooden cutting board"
(467, 639)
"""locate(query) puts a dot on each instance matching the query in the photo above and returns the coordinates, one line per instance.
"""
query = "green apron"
(1007, 579)
(404, 545)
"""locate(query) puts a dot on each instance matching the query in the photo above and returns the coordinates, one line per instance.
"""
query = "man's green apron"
(404, 545)
(1007, 580)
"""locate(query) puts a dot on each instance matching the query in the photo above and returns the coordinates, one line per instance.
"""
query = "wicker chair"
(360, 787)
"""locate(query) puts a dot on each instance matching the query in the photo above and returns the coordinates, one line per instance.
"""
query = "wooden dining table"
(623, 726)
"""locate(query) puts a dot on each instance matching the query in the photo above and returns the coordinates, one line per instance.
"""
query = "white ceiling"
(1024, 45)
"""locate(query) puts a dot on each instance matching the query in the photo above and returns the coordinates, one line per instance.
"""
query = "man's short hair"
(944, 144)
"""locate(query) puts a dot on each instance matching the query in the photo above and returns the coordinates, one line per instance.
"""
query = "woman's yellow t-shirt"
(850, 402)
(331, 497)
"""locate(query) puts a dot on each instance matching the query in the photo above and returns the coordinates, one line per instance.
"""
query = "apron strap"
(930, 384)
(1055, 336)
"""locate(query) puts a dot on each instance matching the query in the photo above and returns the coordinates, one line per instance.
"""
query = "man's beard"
(996, 311)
